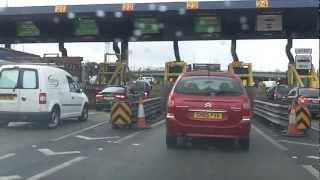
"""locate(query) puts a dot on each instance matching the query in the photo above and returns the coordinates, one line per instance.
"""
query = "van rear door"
(29, 90)
(9, 92)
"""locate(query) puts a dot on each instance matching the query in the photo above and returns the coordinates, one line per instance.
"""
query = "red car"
(208, 105)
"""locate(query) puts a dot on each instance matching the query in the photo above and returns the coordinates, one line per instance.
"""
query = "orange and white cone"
(141, 123)
(292, 126)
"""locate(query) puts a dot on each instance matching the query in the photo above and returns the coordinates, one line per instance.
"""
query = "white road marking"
(96, 138)
(34, 146)
(311, 170)
(49, 152)
(92, 113)
(7, 156)
(80, 131)
(158, 123)
(127, 137)
(270, 139)
(299, 143)
(314, 157)
(294, 157)
(135, 144)
(13, 177)
(100, 149)
(56, 168)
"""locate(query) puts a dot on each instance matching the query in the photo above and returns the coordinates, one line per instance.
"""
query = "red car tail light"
(170, 106)
(43, 98)
(120, 97)
(303, 100)
(99, 97)
(246, 111)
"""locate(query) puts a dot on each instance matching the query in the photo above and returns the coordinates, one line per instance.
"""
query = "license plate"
(10, 98)
(212, 116)
(108, 98)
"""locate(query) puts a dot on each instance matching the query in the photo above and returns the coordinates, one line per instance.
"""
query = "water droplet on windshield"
(118, 14)
(179, 33)
(244, 27)
(227, 3)
(182, 11)
(56, 20)
(243, 19)
(163, 8)
(71, 15)
(137, 32)
(100, 13)
(152, 7)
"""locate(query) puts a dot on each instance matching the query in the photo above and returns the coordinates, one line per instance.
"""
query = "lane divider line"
(314, 157)
(96, 138)
(270, 139)
(7, 156)
(49, 152)
(57, 168)
(136, 133)
(80, 131)
(299, 143)
(13, 177)
(311, 170)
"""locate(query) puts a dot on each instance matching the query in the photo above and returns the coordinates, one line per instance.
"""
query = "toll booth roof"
(241, 19)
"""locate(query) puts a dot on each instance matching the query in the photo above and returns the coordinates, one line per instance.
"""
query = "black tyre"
(171, 142)
(85, 113)
(54, 119)
(244, 144)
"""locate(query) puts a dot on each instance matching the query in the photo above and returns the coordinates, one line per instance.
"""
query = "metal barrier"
(274, 112)
(153, 107)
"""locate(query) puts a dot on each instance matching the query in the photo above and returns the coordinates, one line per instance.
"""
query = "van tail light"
(274, 94)
(120, 97)
(99, 97)
(171, 107)
(43, 98)
(246, 111)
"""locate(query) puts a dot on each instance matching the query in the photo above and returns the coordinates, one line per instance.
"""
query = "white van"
(38, 93)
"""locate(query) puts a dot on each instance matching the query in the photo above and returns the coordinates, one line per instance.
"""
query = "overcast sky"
(266, 55)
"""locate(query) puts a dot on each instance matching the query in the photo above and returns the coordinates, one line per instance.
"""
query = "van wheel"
(171, 142)
(85, 113)
(244, 144)
(54, 120)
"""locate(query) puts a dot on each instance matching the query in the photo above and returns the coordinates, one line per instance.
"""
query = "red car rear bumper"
(177, 128)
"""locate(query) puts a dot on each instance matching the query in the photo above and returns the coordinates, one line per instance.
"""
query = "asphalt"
(92, 150)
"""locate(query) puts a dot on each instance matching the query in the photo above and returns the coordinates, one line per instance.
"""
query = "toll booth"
(302, 77)
(244, 70)
(173, 69)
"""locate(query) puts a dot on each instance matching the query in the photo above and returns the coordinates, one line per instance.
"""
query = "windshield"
(208, 86)
(310, 93)
(283, 90)
(9, 78)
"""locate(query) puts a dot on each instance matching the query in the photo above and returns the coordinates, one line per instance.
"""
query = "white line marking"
(7, 156)
(56, 168)
(314, 128)
(92, 113)
(311, 170)
(49, 152)
(127, 137)
(314, 157)
(158, 123)
(80, 131)
(299, 143)
(96, 138)
(13, 177)
(270, 139)
(136, 133)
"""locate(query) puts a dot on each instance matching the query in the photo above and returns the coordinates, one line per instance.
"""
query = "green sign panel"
(27, 29)
(86, 27)
(207, 24)
(147, 25)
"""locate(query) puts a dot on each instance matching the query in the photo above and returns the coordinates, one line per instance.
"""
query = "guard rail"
(153, 108)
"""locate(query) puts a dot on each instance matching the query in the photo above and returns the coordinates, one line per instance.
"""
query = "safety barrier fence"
(153, 108)
(274, 112)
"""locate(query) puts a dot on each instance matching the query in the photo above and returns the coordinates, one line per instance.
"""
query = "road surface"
(92, 150)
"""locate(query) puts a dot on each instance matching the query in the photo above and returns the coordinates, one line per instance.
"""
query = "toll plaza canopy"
(212, 20)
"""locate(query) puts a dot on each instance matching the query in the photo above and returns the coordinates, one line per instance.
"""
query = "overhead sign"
(27, 29)
(147, 25)
(207, 24)
(86, 27)
(303, 62)
(262, 3)
(303, 50)
(269, 23)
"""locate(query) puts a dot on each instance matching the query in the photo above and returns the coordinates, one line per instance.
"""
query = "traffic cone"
(141, 123)
(292, 126)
